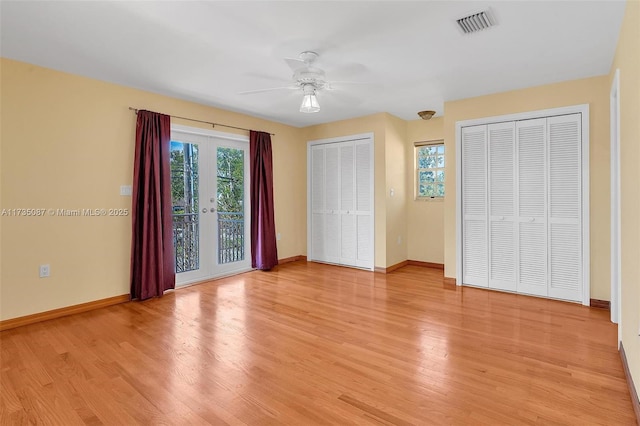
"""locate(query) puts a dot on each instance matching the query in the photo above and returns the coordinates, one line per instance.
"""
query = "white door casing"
(616, 265)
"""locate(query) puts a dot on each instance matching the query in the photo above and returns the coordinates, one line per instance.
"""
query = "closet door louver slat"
(565, 207)
(531, 200)
(364, 202)
(317, 203)
(474, 195)
(349, 243)
(502, 256)
(332, 235)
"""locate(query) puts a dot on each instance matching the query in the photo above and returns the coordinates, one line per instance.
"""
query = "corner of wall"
(627, 59)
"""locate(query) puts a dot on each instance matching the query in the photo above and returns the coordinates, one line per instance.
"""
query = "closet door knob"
(531, 219)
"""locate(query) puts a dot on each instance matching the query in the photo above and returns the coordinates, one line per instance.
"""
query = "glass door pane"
(230, 205)
(185, 200)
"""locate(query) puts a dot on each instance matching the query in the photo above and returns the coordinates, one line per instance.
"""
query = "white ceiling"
(411, 54)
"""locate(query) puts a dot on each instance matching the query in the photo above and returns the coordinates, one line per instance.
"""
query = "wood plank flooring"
(316, 344)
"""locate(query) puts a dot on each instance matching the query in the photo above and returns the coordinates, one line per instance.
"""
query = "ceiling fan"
(307, 78)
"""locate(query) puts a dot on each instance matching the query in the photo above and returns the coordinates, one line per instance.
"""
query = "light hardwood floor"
(316, 344)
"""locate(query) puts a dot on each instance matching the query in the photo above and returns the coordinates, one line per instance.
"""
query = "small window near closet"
(430, 178)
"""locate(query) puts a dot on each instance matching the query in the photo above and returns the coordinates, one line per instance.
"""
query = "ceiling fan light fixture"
(310, 103)
(426, 115)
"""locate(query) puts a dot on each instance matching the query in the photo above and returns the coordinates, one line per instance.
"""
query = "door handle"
(501, 217)
(204, 210)
(531, 219)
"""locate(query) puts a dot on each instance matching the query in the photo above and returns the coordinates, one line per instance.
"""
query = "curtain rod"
(205, 122)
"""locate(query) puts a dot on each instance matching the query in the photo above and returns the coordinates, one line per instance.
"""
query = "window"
(429, 170)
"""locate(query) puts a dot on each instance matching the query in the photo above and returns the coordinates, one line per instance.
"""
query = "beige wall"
(627, 59)
(375, 124)
(67, 142)
(425, 219)
(396, 204)
(593, 91)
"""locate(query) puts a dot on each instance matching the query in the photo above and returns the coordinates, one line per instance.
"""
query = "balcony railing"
(230, 237)
(186, 241)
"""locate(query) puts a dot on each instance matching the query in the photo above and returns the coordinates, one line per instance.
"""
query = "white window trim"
(575, 109)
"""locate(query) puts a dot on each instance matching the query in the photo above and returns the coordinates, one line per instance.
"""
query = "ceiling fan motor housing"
(310, 75)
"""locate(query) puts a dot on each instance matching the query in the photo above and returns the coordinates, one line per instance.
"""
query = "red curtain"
(264, 253)
(152, 260)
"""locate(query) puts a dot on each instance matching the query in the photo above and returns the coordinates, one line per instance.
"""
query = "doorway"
(209, 193)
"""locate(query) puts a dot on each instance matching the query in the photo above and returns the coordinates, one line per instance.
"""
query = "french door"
(209, 192)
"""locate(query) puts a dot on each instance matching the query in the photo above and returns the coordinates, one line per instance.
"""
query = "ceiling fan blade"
(347, 70)
(270, 89)
(331, 85)
(294, 63)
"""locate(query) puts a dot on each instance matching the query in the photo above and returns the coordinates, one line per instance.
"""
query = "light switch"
(125, 190)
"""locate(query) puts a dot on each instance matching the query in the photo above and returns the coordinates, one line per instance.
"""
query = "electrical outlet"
(278, 236)
(45, 270)
(399, 239)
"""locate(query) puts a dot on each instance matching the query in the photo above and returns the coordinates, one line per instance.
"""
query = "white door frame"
(228, 140)
(581, 109)
(616, 277)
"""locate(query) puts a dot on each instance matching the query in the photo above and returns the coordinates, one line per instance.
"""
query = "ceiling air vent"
(476, 22)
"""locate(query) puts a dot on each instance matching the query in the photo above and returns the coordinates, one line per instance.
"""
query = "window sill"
(429, 199)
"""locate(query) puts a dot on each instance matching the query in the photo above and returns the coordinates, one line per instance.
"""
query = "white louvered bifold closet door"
(531, 206)
(364, 203)
(341, 203)
(565, 207)
(474, 205)
(317, 203)
(332, 204)
(502, 256)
